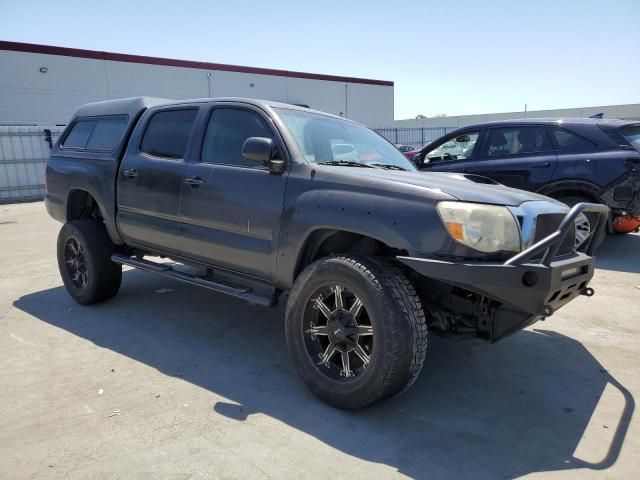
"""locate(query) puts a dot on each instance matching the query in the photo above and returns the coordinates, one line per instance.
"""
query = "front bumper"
(531, 284)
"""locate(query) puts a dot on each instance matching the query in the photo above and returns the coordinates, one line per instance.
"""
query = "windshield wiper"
(387, 166)
(344, 163)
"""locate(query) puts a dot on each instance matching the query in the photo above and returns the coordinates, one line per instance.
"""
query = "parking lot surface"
(172, 381)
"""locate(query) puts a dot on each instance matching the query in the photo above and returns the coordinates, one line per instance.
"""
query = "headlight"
(487, 228)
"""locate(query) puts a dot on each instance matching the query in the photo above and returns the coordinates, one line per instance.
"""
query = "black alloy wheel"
(76, 263)
(338, 332)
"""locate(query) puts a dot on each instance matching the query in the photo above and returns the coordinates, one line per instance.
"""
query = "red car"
(407, 150)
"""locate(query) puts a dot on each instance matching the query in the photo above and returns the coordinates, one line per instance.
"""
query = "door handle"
(194, 182)
(540, 165)
(132, 173)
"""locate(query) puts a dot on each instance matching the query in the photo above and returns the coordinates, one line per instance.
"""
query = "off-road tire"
(103, 275)
(397, 318)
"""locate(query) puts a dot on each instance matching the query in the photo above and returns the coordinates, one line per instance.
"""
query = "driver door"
(231, 208)
(455, 154)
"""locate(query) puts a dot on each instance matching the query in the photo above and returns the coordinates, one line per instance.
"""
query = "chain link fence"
(413, 136)
(24, 150)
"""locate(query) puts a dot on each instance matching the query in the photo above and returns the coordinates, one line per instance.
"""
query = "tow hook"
(588, 291)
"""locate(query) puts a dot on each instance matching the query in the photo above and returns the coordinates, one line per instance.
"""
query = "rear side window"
(79, 134)
(96, 134)
(167, 133)
(631, 133)
(517, 140)
(106, 133)
(226, 133)
(567, 140)
(614, 134)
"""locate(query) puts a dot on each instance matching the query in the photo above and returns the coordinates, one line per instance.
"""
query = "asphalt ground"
(172, 381)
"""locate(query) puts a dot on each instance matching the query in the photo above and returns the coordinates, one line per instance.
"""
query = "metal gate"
(24, 151)
(414, 136)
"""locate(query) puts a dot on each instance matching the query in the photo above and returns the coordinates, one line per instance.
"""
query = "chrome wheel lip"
(338, 334)
(76, 263)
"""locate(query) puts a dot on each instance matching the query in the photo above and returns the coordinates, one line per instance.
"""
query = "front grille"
(547, 223)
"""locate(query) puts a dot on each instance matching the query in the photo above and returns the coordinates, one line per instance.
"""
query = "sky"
(450, 58)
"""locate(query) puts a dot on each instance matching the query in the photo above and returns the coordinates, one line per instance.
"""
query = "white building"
(41, 84)
(625, 112)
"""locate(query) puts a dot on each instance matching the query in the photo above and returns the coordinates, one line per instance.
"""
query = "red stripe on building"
(171, 62)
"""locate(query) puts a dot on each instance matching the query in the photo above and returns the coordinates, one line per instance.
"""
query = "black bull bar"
(531, 284)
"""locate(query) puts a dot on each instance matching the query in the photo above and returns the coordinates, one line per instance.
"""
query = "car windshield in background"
(331, 141)
(458, 148)
(632, 134)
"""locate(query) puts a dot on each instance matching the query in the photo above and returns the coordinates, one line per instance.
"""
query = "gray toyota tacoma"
(255, 199)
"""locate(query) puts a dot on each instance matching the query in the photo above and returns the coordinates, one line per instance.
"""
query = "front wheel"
(356, 330)
(84, 260)
(585, 222)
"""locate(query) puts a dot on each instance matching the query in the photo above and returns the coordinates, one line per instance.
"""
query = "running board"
(218, 286)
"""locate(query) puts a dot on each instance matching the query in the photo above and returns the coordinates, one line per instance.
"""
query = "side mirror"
(262, 150)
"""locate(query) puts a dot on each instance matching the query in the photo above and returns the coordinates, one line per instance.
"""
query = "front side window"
(461, 147)
(226, 133)
(517, 141)
(332, 141)
(167, 133)
(567, 140)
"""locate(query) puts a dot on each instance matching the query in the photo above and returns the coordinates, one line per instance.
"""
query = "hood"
(463, 187)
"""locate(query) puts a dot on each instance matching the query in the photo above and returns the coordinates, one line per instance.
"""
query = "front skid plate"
(532, 288)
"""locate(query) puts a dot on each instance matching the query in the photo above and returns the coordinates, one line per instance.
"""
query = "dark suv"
(572, 160)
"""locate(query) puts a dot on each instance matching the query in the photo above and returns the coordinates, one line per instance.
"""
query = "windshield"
(331, 141)
(459, 148)
(632, 134)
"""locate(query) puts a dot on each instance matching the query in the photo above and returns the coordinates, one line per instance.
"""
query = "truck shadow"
(620, 253)
(477, 410)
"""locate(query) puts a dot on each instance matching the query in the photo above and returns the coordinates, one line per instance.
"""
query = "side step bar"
(218, 286)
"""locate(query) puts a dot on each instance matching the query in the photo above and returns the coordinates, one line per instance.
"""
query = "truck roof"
(128, 106)
(132, 106)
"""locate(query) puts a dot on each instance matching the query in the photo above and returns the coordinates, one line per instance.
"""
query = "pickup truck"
(251, 199)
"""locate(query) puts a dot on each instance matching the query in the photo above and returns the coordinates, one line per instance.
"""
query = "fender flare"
(109, 221)
(573, 185)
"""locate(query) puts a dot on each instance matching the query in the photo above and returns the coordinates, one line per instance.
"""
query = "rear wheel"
(84, 261)
(356, 330)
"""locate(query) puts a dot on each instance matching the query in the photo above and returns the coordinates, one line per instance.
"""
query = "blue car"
(573, 160)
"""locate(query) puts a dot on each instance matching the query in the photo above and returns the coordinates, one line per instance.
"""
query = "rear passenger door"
(231, 207)
(578, 158)
(150, 178)
(519, 156)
